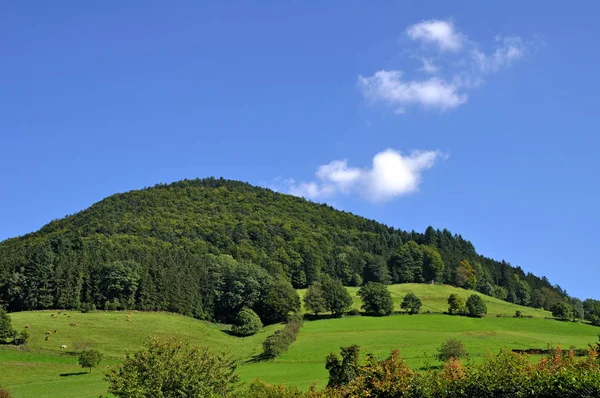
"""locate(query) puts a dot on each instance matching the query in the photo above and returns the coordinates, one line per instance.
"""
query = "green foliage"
(89, 359)
(277, 300)
(451, 349)
(475, 306)
(169, 367)
(209, 247)
(247, 323)
(7, 332)
(314, 299)
(465, 275)
(281, 340)
(376, 299)
(337, 298)
(411, 304)
(21, 338)
(563, 311)
(260, 389)
(342, 371)
(592, 311)
(4, 393)
(456, 305)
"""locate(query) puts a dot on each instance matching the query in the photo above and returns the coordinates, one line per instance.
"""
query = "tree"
(376, 269)
(456, 305)
(475, 306)
(411, 303)
(523, 292)
(578, 308)
(337, 298)
(89, 359)
(433, 265)
(345, 370)
(465, 275)
(169, 367)
(407, 263)
(277, 300)
(247, 323)
(451, 349)
(7, 332)
(563, 311)
(592, 311)
(376, 299)
(314, 300)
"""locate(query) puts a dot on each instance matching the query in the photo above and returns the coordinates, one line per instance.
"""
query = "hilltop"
(184, 247)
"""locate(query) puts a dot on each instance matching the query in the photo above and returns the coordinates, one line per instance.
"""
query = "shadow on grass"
(262, 357)
(73, 374)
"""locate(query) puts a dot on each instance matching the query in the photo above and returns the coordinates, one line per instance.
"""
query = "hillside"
(187, 247)
(42, 369)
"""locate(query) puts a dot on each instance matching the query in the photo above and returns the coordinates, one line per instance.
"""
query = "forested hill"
(200, 246)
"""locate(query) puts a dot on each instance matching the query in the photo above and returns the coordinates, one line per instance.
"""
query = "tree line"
(187, 247)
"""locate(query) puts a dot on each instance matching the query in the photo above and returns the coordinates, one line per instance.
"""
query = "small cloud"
(453, 75)
(391, 174)
(388, 86)
(429, 66)
(510, 50)
(440, 33)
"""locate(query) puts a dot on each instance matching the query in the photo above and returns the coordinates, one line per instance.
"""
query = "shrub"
(456, 304)
(247, 323)
(562, 311)
(7, 332)
(518, 314)
(21, 337)
(376, 299)
(475, 306)
(260, 389)
(411, 303)
(280, 341)
(353, 312)
(345, 370)
(451, 349)
(169, 367)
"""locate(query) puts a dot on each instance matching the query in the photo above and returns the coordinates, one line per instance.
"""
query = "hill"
(185, 246)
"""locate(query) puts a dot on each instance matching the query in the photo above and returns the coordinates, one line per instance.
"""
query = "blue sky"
(479, 117)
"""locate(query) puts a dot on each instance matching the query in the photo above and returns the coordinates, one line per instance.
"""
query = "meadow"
(43, 369)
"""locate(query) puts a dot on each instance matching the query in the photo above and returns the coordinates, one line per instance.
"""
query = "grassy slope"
(434, 298)
(37, 371)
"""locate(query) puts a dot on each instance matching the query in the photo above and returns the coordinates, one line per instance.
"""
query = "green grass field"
(43, 369)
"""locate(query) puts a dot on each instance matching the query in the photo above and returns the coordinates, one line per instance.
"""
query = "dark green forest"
(210, 247)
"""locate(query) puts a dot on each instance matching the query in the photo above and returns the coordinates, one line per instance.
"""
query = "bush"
(411, 304)
(247, 323)
(451, 349)
(21, 337)
(456, 305)
(7, 332)
(345, 370)
(475, 306)
(562, 311)
(169, 367)
(281, 340)
(87, 307)
(376, 299)
(353, 312)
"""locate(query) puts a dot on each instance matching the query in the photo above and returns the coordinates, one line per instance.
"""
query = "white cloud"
(453, 75)
(511, 49)
(388, 86)
(391, 174)
(429, 66)
(440, 33)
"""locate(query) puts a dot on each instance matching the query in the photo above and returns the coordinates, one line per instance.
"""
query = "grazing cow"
(73, 323)
(63, 346)
(26, 326)
(48, 332)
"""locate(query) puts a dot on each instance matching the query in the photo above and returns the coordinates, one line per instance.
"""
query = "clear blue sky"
(500, 98)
